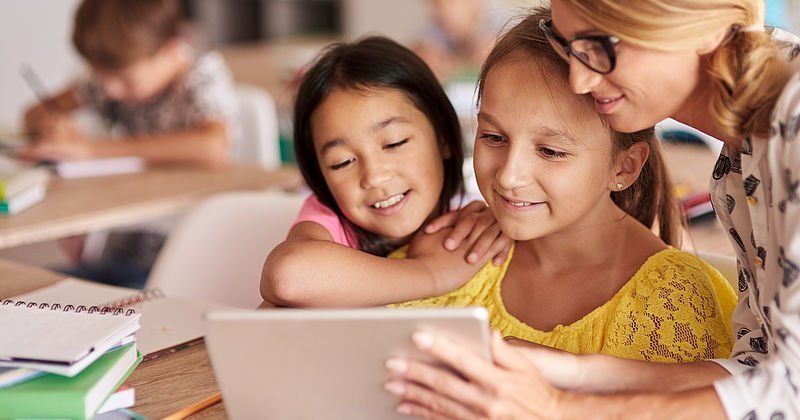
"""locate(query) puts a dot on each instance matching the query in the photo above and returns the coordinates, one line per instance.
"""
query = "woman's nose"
(581, 78)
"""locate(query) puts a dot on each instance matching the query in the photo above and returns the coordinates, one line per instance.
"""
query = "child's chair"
(217, 251)
(726, 265)
(257, 138)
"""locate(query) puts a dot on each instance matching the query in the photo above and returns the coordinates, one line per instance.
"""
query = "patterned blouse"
(756, 194)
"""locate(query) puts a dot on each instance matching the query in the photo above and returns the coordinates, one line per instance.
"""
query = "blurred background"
(38, 32)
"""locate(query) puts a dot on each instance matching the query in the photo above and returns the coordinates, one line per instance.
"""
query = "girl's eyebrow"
(329, 145)
(559, 135)
(555, 134)
(383, 124)
(375, 127)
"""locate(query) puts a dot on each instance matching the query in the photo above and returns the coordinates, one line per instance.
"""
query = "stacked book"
(21, 185)
(65, 362)
(694, 204)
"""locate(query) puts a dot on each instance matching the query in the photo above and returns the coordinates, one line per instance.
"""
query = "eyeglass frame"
(608, 42)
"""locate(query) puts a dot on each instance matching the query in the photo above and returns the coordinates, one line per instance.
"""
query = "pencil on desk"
(194, 408)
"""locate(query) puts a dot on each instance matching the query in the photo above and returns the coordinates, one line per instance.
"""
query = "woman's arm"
(511, 386)
(309, 269)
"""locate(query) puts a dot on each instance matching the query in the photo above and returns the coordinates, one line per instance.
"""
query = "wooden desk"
(163, 385)
(77, 206)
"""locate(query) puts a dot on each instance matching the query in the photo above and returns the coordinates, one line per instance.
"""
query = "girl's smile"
(392, 205)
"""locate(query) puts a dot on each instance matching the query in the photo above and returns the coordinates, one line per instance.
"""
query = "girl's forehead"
(531, 96)
(348, 114)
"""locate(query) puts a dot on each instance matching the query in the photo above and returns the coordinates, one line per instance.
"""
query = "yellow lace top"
(676, 308)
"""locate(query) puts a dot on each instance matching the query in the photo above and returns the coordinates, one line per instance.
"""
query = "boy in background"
(158, 100)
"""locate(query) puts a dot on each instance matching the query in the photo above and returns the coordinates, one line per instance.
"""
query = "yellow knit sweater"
(676, 308)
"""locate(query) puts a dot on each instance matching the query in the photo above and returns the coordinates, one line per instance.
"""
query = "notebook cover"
(59, 396)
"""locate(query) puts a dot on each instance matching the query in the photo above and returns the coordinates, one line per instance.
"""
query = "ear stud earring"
(620, 186)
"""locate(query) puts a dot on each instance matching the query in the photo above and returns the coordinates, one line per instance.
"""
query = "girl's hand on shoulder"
(476, 225)
(507, 387)
(449, 270)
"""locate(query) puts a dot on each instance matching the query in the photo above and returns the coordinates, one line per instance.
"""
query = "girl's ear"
(629, 165)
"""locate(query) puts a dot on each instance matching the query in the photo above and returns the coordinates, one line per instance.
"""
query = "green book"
(78, 397)
(17, 176)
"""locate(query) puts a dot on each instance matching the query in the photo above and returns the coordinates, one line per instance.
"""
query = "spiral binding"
(136, 299)
(99, 309)
(116, 307)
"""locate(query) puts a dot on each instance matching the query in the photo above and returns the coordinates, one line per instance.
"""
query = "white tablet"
(323, 364)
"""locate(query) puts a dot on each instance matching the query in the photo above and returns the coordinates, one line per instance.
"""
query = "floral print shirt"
(756, 194)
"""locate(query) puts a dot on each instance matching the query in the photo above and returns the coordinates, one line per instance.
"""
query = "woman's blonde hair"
(746, 69)
(650, 199)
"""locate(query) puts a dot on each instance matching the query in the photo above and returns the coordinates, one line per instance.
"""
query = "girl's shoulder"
(315, 212)
(679, 273)
(481, 290)
(676, 265)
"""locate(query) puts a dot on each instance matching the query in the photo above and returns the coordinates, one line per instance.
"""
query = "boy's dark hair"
(650, 199)
(113, 34)
(375, 62)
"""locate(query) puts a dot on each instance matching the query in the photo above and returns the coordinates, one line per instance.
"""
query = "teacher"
(709, 64)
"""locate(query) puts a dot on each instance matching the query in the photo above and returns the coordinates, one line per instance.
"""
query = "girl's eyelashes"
(396, 144)
(342, 164)
(549, 153)
(492, 139)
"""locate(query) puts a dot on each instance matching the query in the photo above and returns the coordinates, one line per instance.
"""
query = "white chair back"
(726, 264)
(217, 251)
(256, 141)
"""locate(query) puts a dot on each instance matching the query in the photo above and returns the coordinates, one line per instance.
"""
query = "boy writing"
(158, 100)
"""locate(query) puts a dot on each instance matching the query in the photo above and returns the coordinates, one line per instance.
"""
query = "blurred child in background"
(159, 100)
(458, 38)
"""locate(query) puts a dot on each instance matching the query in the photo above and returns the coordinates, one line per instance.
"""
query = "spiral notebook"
(59, 339)
(167, 323)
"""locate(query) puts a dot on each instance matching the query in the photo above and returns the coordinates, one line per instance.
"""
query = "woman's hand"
(476, 224)
(508, 387)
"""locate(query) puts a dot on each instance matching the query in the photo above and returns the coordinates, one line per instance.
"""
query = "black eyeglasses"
(596, 52)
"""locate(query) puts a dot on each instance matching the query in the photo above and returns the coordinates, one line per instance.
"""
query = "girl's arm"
(205, 145)
(309, 270)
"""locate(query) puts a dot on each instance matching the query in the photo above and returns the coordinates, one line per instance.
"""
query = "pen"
(194, 408)
(35, 83)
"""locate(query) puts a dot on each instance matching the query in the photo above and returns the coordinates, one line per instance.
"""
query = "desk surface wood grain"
(78, 206)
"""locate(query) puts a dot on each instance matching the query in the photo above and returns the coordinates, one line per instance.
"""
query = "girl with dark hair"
(379, 144)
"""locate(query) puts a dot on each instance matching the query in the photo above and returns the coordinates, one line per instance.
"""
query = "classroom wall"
(402, 19)
(36, 32)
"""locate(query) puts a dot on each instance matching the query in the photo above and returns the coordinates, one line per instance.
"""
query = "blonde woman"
(712, 65)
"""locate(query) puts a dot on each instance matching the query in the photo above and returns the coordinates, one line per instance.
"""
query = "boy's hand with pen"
(53, 136)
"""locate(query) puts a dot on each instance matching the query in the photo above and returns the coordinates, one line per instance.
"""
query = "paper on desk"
(166, 322)
(58, 341)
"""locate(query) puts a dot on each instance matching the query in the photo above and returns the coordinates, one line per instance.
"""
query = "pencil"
(194, 408)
